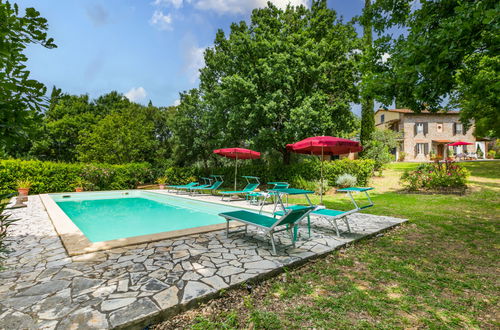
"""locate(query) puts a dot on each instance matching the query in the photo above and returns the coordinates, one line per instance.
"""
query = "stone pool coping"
(76, 243)
(133, 286)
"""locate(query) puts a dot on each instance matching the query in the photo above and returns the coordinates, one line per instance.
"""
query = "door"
(440, 150)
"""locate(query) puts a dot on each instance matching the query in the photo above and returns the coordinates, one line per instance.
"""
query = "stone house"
(425, 133)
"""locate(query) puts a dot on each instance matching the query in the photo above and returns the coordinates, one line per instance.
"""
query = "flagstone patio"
(133, 286)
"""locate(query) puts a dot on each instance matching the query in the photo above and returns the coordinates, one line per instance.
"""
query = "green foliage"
(380, 146)
(21, 98)
(59, 177)
(287, 75)
(301, 175)
(121, 137)
(5, 222)
(367, 102)
(450, 52)
(346, 180)
(436, 176)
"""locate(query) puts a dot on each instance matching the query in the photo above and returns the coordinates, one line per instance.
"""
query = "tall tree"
(288, 75)
(21, 98)
(449, 57)
(367, 103)
(125, 135)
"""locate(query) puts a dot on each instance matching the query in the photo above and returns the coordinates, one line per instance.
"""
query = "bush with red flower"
(436, 176)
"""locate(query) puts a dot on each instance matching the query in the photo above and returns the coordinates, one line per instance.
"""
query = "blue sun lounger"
(183, 186)
(269, 224)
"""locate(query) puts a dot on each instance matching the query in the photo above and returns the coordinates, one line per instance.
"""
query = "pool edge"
(76, 243)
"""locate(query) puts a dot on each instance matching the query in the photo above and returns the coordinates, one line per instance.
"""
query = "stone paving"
(43, 288)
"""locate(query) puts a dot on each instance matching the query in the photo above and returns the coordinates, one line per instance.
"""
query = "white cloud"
(160, 20)
(174, 3)
(194, 62)
(136, 94)
(176, 102)
(243, 6)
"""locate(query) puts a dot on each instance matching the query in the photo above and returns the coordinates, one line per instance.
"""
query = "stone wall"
(410, 139)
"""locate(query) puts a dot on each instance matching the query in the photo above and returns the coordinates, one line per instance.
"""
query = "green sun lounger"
(250, 187)
(332, 216)
(288, 221)
(218, 182)
(183, 186)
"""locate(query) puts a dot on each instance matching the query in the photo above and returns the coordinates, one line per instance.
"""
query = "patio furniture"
(218, 182)
(250, 187)
(269, 224)
(260, 197)
(183, 186)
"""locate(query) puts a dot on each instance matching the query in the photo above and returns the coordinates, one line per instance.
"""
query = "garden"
(437, 271)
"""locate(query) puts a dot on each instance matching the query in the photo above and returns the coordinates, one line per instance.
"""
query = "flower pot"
(78, 189)
(162, 186)
(23, 191)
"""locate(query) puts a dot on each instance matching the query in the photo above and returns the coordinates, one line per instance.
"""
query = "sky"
(147, 50)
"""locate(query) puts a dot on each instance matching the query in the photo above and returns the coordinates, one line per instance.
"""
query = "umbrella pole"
(321, 184)
(235, 171)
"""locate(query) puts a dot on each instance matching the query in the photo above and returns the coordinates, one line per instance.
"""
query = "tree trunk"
(367, 103)
(286, 157)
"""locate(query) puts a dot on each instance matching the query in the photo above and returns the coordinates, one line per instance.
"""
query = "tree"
(449, 57)
(367, 103)
(195, 130)
(379, 147)
(21, 98)
(125, 135)
(288, 75)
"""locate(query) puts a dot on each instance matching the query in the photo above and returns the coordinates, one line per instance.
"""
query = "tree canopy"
(21, 98)
(286, 75)
(447, 58)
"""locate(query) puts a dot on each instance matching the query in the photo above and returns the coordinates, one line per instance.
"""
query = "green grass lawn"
(440, 270)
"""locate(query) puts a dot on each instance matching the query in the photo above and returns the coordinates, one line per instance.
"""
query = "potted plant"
(161, 182)
(23, 187)
(80, 184)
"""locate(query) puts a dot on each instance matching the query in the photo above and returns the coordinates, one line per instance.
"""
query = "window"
(421, 148)
(439, 127)
(420, 128)
(382, 119)
(459, 128)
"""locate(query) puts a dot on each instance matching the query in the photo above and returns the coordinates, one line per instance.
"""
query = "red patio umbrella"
(237, 153)
(460, 143)
(324, 145)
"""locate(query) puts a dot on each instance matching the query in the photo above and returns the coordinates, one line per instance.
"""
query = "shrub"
(436, 176)
(5, 223)
(297, 174)
(346, 180)
(58, 177)
(491, 154)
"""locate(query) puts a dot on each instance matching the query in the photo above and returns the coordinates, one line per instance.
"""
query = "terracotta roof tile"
(451, 112)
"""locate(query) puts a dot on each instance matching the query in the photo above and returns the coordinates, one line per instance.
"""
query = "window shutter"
(464, 132)
(416, 149)
(454, 128)
(426, 148)
(415, 129)
(426, 128)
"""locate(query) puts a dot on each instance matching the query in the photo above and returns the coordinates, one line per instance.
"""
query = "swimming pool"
(106, 216)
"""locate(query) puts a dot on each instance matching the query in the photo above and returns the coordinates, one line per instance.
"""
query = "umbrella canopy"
(460, 143)
(324, 145)
(237, 153)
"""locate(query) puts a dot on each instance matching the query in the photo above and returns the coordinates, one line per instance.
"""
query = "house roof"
(451, 112)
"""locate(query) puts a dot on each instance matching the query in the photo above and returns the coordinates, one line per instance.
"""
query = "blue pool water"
(113, 215)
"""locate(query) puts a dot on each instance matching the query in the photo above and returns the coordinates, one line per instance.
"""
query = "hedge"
(60, 177)
(309, 170)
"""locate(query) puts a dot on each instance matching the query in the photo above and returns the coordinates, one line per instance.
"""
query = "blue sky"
(147, 50)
